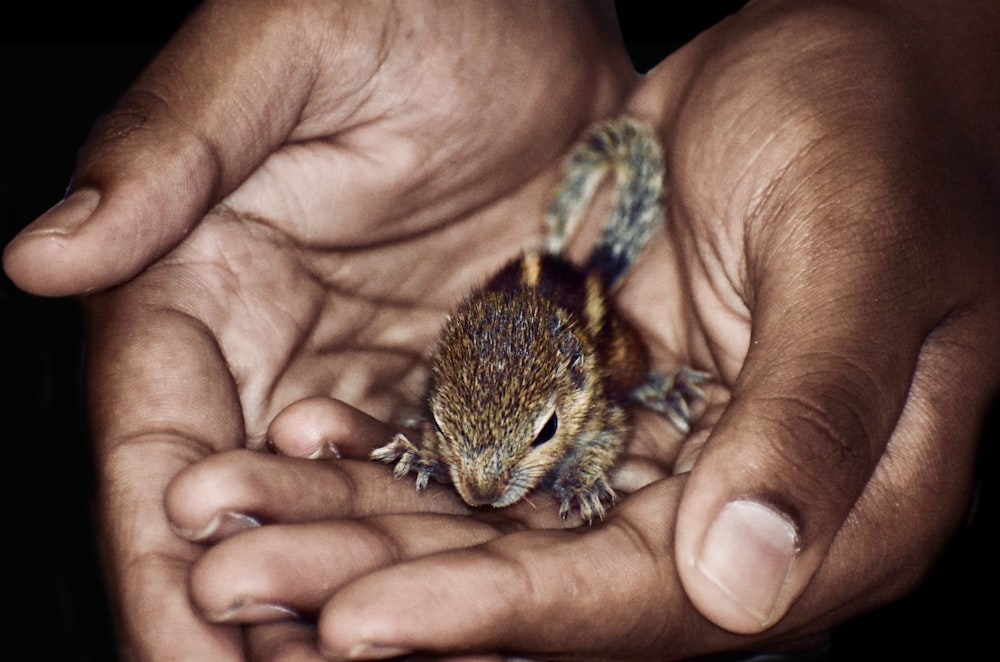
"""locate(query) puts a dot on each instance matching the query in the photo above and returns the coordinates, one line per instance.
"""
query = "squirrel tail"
(630, 150)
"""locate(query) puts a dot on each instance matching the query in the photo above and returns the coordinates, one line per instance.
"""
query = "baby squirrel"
(532, 373)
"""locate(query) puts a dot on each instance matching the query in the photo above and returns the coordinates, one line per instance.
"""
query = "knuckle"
(824, 451)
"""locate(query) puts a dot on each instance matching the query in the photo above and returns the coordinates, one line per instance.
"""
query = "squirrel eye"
(548, 430)
(437, 426)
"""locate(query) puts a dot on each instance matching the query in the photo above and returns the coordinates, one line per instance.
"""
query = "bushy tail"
(629, 149)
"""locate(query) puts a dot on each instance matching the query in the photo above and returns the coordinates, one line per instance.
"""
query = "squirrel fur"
(532, 374)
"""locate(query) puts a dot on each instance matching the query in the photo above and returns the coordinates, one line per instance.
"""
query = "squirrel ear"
(576, 371)
(572, 352)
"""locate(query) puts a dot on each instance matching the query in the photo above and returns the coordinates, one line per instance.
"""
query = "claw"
(589, 501)
(397, 449)
(407, 456)
(672, 396)
(401, 451)
(423, 474)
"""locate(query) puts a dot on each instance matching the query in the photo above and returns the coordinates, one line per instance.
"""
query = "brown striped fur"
(532, 373)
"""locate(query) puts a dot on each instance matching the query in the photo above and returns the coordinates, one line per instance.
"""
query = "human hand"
(807, 217)
(287, 169)
(854, 234)
(941, 418)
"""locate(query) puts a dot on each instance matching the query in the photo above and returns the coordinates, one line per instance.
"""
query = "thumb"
(831, 360)
(202, 116)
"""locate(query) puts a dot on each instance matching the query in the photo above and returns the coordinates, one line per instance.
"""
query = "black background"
(60, 67)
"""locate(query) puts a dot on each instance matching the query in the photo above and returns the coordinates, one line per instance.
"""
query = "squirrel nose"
(482, 494)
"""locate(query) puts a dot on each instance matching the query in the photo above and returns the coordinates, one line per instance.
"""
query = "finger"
(176, 631)
(288, 641)
(815, 403)
(920, 492)
(317, 428)
(534, 593)
(230, 492)
(280, 571)
(320, 427)
(196, 122)
(296, 642)
(832, 355)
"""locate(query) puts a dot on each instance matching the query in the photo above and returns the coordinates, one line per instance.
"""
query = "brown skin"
(834, 258)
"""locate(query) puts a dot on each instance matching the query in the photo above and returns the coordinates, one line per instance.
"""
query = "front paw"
(405, 454)
(590, 499)
(408, 456)
(673, 396)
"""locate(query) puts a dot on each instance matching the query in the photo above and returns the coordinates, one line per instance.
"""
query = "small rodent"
(532, 373)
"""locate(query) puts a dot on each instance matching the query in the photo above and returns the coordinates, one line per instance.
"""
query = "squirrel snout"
(481, 483)
(481, 494)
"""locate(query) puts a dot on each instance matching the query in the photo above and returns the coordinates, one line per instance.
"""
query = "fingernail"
(748, 552)
(368, 651)
(249, 611)
(66, 216)
(221, 526)
(325, 452)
